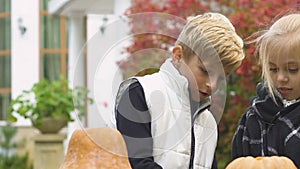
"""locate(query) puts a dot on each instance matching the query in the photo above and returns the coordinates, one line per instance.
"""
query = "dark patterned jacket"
(268, 129)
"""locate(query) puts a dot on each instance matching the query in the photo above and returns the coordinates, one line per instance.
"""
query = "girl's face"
(285, 75)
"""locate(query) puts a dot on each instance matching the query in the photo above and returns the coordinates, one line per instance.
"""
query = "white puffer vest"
(167, 97)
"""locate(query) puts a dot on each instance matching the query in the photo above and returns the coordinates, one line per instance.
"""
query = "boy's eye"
(203, 70)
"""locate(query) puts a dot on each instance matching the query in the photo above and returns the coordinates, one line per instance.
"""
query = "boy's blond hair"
(212, 34)
(282, 39)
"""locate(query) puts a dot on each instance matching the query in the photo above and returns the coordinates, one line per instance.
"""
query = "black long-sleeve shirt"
(132, 103)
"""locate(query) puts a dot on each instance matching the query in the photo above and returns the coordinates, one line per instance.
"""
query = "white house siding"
(100, 70)
(25, 48)
(104, 49)
(92, 61)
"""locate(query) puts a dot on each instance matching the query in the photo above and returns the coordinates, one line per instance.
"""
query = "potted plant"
(48, 104)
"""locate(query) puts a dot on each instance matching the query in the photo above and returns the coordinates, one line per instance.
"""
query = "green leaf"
(52, 99)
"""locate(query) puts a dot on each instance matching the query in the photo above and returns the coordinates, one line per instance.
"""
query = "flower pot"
(51, 125)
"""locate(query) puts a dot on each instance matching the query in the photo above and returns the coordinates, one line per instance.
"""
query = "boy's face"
(204, 76)
(285, 75)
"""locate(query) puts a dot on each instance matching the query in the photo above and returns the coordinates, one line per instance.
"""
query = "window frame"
(5, 53)
(62, 51)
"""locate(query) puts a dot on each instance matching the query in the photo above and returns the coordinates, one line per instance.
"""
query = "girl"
(271, 126)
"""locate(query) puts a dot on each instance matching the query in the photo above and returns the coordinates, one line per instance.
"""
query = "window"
(53, 50)
(5, 58)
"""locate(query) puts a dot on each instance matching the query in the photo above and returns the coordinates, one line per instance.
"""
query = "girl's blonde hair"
(212, 34)
(281, 39)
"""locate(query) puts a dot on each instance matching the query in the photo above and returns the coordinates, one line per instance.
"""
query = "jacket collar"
(179, 83)
(264, 105)
(266, 108)
(174, 80)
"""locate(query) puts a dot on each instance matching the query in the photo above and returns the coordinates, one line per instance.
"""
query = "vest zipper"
(192, 148)
(200, 109)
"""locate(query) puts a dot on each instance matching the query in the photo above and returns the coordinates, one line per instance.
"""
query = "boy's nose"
(212, 85)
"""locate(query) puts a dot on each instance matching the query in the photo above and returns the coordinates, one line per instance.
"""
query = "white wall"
(25, 48)
(104, 77)
(121, 6)
(104, 50)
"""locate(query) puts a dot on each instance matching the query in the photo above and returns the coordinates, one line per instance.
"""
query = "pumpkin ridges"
(288, 162)
(267, 162)
(96, 148)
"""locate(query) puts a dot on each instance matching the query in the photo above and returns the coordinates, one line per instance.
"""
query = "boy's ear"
(177, 53)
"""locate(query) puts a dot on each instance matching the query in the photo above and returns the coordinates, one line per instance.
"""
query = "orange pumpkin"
(96, 148)
(267, 162)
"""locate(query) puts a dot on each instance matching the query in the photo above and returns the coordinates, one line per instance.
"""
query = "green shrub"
(8, 158)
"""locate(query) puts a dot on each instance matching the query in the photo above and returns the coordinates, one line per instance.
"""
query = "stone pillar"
(76, 57)
(77, 63)
(48, 151)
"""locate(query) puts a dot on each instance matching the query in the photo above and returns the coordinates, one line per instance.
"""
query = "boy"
(164, 117)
